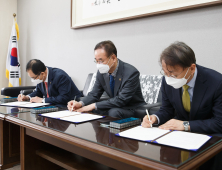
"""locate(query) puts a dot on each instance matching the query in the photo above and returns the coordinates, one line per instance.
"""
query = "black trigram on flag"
(14, 39)
(14, 74)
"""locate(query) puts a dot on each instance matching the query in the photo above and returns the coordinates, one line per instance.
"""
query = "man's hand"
(22, 98)
(36, 100)
(146, 123)
(173, 124)
(87, 108)
(73, 105)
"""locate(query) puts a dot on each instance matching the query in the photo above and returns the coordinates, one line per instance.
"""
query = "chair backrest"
(28, 91)
(150, 86)
(15, 91)
(87, 84)
(159, 98)
(90, 81)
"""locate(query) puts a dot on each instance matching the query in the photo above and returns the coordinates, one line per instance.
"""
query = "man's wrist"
(82, 104)
(186, 126)
(43, 100)
(95, 106)
(157, 119)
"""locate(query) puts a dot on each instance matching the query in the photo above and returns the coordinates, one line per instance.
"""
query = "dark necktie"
(111, 83)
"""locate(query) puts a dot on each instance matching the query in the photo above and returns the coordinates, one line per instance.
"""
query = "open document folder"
(75, 117)
(179, 139)
(24, 104)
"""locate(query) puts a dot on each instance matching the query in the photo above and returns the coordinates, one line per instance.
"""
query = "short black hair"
(36, 66)
(108, 46)
(178, 53)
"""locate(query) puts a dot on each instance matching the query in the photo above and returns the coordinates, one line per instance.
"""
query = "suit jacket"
(127, 91)
(206, 109)
(61, 88)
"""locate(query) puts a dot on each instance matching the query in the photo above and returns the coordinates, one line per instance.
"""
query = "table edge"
(118, 155)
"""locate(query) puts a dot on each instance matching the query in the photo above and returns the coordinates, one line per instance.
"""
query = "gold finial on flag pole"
(14, 15)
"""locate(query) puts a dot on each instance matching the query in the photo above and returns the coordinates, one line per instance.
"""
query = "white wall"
(45, 34)
(7, 8)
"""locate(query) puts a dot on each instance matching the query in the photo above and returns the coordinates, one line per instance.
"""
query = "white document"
(81, 118)
(184, 140)
(24, 104)
(15, 103)
(144, 134)
(31, 105)
(60, 114)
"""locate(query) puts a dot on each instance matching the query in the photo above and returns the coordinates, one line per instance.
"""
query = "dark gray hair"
(108, 46)
(178, 53)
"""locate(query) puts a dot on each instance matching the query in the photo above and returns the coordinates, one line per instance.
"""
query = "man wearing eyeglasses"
(191, 94)
(191, 97)
(53, 85)
(118, 79)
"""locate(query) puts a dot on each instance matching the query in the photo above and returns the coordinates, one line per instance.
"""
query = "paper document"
(15, 103)
(179, 139)
(143, 134)
(60, 114)
(81, 118)
(184, 140)
(24, 104)
(31, 105)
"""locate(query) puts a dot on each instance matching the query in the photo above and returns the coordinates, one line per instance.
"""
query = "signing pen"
(148, 116)
(73, 103)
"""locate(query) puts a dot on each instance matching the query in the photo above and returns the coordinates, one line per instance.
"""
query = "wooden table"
(52, 144)
(9, 142)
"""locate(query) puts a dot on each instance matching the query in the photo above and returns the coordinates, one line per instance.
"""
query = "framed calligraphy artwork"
(85, 13)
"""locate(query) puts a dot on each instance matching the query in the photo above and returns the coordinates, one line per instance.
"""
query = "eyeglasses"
(98, 62)
(170, 75)
(36, 76)
(101, 62)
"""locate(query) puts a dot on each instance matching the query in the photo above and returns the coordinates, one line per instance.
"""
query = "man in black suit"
(53, 85)
(191, 96)
(118, 79)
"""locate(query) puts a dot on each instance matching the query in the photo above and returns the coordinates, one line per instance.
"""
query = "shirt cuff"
(43, 100)
(158, 120)
(95, 107)
(29, 96)
(82, 103)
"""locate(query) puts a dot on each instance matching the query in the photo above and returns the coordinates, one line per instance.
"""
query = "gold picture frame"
(81, 16)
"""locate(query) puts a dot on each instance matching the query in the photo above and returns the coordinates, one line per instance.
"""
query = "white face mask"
(176, 83)
(104, 68)
(36, 80)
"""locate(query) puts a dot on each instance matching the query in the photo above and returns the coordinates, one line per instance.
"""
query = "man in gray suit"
(118, 79)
